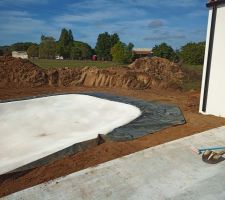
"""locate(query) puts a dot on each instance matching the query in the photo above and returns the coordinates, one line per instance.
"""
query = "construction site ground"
(187, 101)
(169, 171)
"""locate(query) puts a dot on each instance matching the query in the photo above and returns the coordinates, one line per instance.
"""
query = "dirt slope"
(144, 73)
(18, 72)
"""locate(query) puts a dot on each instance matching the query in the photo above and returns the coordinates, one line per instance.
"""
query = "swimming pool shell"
(155, 116)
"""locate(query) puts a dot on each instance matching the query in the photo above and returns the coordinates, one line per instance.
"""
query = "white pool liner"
(32, 129)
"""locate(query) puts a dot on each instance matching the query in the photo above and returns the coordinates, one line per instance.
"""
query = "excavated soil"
(156, 72)
(188, 102)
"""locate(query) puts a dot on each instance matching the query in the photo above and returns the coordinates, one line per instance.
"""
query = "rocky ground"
(44, 84)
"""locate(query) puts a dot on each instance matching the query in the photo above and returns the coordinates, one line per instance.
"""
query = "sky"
(145, 23)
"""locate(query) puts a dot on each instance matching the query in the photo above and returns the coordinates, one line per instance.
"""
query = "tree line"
(191, 53)
(108, 47)
(66, 47)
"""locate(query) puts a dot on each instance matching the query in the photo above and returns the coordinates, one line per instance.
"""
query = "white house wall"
(206, 58)
(216, 91)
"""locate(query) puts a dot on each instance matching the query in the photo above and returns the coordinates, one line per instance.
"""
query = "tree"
(21, 46)
(33, 51)
(130, 46)
(70, 36)
(85, 50)
(65, 43)
(47, 48)
(165, 51)
(75, 53)
(103, 46)
(121, 53)
(64, 37)
(114, 39)
(193, 53)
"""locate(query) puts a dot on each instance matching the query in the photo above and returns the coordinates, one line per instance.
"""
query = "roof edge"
(215, 3)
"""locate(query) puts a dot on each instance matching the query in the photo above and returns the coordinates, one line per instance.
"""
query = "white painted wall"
(205, 60)
(216, 91)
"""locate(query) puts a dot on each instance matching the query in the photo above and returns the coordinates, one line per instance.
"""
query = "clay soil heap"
(17, 72)
(144, 73)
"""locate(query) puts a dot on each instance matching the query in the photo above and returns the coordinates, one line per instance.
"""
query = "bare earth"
(187, 101)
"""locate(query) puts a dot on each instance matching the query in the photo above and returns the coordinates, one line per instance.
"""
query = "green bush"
(193, 53)
(121, 53)
(165, 51)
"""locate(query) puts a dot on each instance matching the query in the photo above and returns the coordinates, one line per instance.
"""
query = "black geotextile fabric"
(155, 116)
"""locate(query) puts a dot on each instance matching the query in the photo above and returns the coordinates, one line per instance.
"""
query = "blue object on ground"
(211, 148)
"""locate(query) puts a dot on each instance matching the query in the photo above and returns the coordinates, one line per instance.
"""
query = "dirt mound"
(144, 73)
(64, 76)
(112, 77)
(162, 71)
(18, 72)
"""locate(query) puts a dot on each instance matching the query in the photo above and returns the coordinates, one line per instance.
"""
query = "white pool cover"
(32, 129)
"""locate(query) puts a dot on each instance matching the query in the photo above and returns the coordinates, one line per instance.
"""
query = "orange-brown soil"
(154, 73)
(188, 102)
(20, 78)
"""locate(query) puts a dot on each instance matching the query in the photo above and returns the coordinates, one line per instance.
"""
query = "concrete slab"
(167, 172)
(32, 129)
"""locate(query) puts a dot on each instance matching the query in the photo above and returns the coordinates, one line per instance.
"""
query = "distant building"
(59, 57)
(20, 54)
(212, 92)
(141, 52)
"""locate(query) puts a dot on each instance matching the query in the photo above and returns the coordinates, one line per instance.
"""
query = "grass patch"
(47, 63)
(195, 68)
(192, 77)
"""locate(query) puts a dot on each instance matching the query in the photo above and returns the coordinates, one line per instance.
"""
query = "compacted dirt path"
(188, 102)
